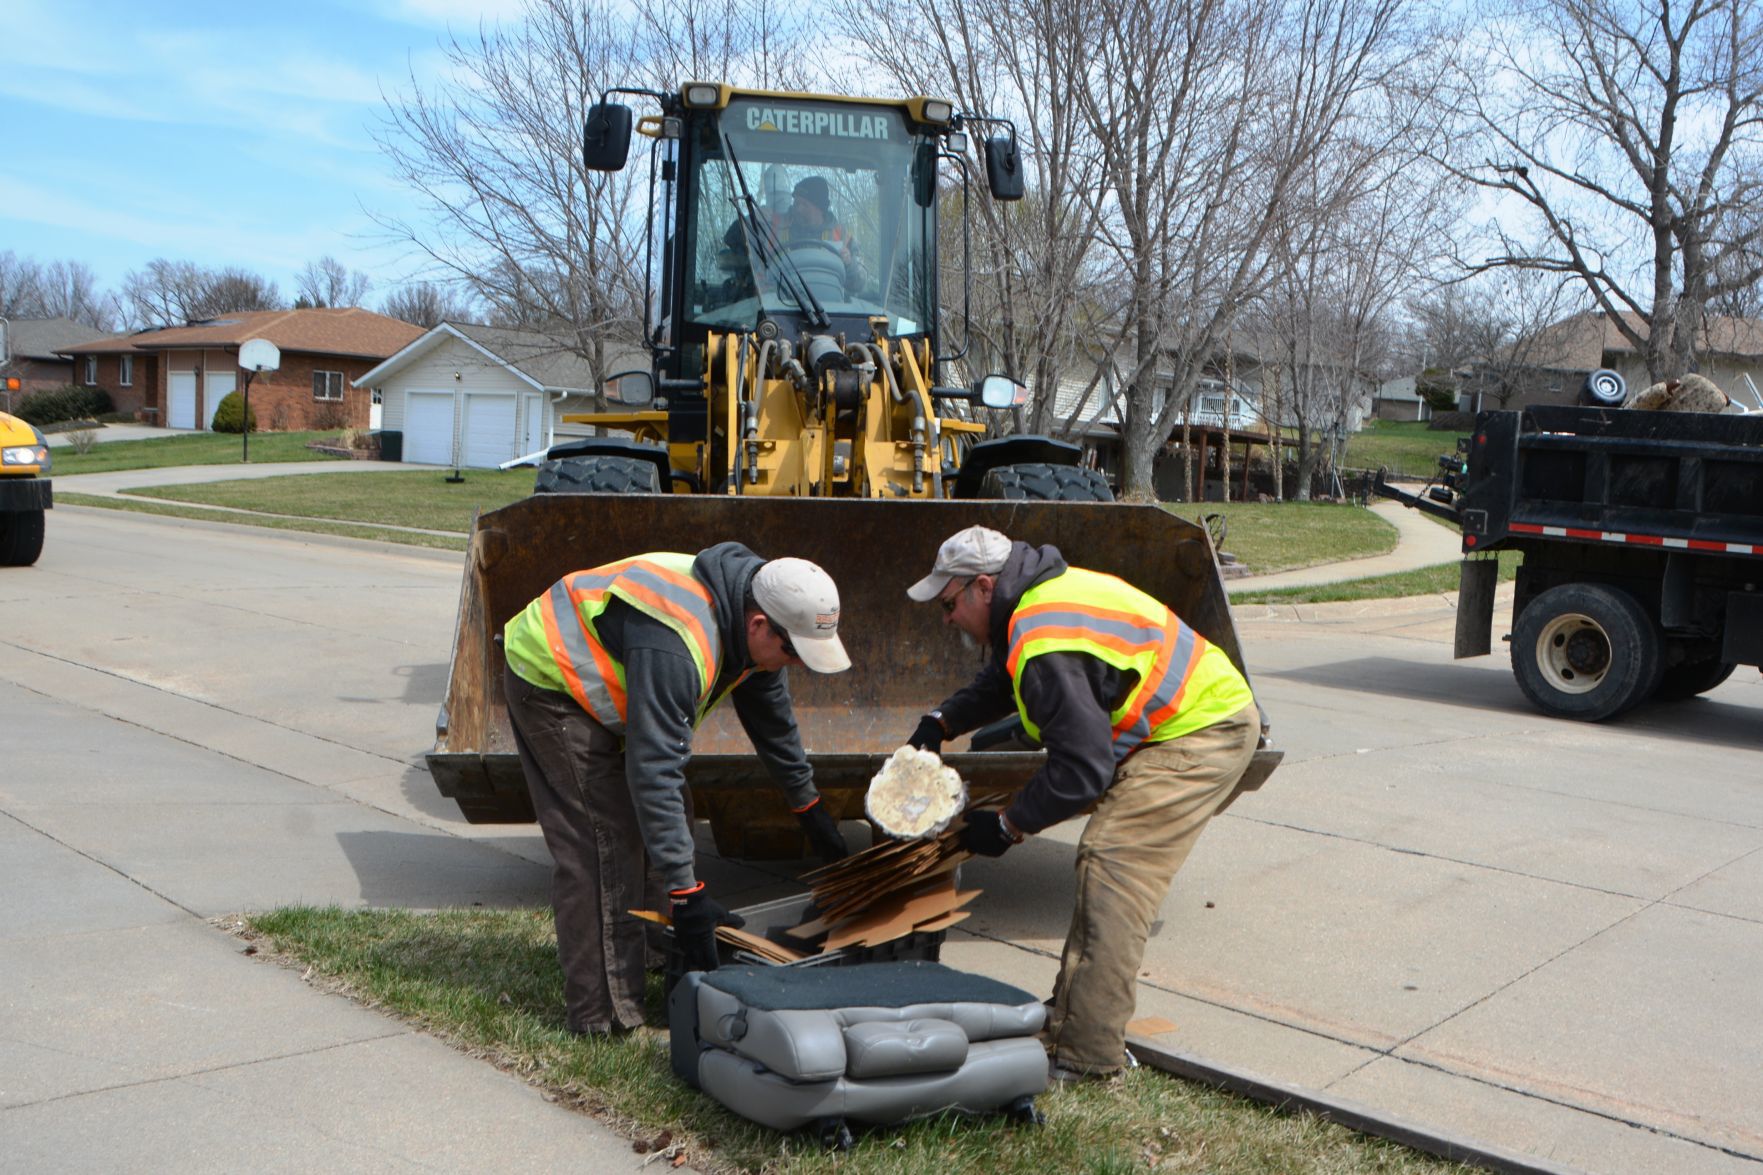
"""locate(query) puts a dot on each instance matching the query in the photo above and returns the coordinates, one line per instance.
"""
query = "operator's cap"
(803, 600)
(814, 190)
(978, 550)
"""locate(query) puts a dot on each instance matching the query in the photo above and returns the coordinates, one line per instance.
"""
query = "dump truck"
(1642, 542)
(25, 491)
(798, 401)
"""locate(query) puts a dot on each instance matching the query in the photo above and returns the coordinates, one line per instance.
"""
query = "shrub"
(229, 416)
(54, 405)
(1452, 421)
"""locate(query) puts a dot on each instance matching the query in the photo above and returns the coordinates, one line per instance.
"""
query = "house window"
(126, 369)
(379, 396)
(327, 385)
(91, 370)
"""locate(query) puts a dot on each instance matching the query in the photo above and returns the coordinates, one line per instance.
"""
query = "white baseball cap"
(802, 599)
(978, 550)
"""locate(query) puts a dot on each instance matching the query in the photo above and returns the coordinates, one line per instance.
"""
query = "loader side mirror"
(606, 136)
(631, 387)
(1000, 391)
(1004, 168)
(924, 175)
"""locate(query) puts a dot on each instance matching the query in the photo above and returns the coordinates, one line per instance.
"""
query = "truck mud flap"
(1476, 583)
(904, 658)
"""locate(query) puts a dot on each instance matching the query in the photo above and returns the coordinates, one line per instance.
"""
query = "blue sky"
(225, 134)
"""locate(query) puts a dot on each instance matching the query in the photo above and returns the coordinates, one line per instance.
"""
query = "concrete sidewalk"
(1421, 542)
(121, 432)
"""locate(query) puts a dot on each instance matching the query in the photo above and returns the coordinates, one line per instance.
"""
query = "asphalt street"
(1538, 934)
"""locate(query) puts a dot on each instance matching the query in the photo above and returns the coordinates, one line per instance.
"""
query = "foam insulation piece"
(914, 795)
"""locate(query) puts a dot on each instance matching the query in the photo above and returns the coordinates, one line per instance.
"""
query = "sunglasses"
(783, 638)
(949, 602)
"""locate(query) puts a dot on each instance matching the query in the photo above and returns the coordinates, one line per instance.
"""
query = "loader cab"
(777, 214)
(793, 208)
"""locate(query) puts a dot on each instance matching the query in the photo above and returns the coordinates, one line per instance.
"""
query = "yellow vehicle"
(24, 490)
(798, 401)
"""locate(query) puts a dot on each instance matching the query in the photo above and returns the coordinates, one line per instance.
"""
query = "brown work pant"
(574, 769)
(1139, 835)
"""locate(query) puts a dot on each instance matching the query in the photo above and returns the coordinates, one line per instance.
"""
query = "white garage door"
(216, 388)
(428, 428)
(489, 430)
(182, 409)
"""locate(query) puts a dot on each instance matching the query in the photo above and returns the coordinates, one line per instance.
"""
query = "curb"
(1351, 1114)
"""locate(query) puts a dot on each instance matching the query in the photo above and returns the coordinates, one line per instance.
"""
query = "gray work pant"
(1142, 830)
(574, 769)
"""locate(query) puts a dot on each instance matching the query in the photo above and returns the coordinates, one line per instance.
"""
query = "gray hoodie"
(661, 699)
(1068, 695)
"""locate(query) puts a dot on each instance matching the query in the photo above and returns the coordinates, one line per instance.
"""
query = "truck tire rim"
(1573, 653)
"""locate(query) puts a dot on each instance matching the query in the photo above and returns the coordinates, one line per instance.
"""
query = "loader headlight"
(701, 95)
(937, 111)
(24, 455)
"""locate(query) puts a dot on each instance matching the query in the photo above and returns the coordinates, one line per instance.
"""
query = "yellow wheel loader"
(24, 491)
(795, 403)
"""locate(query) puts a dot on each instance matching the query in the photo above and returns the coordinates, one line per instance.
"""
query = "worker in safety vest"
(609, 672)
(1148, 726)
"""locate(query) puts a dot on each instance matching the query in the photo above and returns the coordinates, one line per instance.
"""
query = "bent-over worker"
(609, 673)
(1147, 725)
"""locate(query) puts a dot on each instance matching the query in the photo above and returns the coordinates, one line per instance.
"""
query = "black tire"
(1586, 651)
(1603, 388)
(1045, 483)
(21, 537)
(597, 475)
(1681, 682)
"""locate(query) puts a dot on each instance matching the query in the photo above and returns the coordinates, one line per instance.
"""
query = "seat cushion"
(883, 1049)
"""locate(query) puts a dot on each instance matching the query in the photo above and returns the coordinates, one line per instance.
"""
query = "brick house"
(36, 345)
(178, 375)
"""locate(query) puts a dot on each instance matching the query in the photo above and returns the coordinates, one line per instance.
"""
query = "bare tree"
(1034, 310)
(1208, 114)
(1632, 133)
(514, 216)
(167, 293)
(328, 282)
(427, 304)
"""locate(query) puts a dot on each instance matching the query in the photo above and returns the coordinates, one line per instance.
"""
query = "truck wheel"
(1586, 651)
(597, 475)
(1045, 483)
(1691, 678)
(21, 537)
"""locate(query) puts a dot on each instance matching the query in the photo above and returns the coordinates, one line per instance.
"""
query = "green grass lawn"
(1405, 447)
(487, 982)
(1422, 581)
(421, 498)
(207, 448)
(1282, 536)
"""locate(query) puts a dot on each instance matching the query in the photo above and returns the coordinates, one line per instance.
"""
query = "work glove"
(695, 918)
(823, 832)
(985, 834)
(929, 735)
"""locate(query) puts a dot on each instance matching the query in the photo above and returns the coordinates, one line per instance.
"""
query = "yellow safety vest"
(553, 643)
(1184, 682)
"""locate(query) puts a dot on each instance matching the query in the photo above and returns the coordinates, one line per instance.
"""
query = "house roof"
(1580, 342)
(533, 356)
(346, 330)
(46, 338)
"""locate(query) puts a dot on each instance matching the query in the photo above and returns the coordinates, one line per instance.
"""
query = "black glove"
(695, 919)
(984, 834)
(929, 735)
(823, 832)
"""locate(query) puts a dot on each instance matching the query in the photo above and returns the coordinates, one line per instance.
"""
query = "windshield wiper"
(772, 257)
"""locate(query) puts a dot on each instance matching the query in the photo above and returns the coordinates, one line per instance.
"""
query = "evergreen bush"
(230, 415)
(54, 405)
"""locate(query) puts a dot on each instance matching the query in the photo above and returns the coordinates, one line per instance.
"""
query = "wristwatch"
(941, 721)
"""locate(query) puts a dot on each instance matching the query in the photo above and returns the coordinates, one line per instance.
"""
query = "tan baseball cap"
(978, 550)
(802, 599)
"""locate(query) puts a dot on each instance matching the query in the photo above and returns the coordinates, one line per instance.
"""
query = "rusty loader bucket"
(904, 659)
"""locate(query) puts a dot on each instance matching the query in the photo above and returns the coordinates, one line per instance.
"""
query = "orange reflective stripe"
(554, 631)
(1170, 709)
